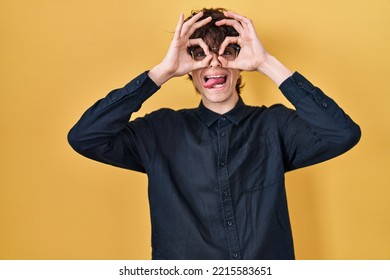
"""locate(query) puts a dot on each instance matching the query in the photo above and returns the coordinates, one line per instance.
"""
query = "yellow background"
(59, 57)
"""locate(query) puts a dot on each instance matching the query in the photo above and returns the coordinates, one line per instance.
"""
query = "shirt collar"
(234, 115)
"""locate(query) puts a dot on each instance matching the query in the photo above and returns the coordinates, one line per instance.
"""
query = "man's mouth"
(214, 81)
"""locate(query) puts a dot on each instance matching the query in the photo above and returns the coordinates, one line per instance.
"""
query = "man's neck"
(221, 107)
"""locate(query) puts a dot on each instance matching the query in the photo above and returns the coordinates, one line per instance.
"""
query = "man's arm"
(104, 133)
(253, 56)
(177, 62)
(318, 129)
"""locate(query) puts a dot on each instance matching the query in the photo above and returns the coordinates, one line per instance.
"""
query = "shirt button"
(230, 223)
(138, 82)
(225, 193)
(223, 119)
(222, 164)
(223, 134)
(324, 105)
(300, 84)
(235, 255)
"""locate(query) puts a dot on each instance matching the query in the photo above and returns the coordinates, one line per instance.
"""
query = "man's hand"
(177, 61)
(252, 56)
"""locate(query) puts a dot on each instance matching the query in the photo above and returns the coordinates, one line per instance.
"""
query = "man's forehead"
(213, 43)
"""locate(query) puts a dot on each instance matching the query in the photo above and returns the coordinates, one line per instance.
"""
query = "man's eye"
(229, 51)
(199, 53)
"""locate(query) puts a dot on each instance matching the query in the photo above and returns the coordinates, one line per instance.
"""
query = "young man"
(216, 172)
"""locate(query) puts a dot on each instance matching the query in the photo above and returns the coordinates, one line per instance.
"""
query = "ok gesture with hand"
(252, 56)
(177, 61)
(252, 53)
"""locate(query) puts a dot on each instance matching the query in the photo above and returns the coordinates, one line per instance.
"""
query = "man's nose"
(214, 61)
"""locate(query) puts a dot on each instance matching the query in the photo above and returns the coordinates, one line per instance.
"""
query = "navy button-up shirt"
(216, 182)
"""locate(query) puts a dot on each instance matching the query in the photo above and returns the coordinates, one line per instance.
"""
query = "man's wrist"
(159, 75)
(274, 69)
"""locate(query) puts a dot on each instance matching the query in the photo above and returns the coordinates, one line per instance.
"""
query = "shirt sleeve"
(318, 129)
(105, 134)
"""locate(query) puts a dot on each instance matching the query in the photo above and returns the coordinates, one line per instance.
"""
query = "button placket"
(224, 187)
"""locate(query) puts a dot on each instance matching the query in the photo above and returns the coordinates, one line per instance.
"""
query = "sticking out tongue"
(212, 82)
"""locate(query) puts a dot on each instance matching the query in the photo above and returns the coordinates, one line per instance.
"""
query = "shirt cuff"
(142, 87)
(297, 87)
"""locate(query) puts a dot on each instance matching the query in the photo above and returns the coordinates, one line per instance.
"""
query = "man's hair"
(214, 35)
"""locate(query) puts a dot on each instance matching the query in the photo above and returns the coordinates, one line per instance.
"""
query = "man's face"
(216, 84)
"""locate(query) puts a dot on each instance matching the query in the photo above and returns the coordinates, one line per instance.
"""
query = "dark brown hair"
(214, 35)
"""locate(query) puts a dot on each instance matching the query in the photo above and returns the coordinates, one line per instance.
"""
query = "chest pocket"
(257, 165)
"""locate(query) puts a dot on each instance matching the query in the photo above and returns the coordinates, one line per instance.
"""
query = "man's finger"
(199, 42)
(224, 62)
(179, 27)
(191, 21)
(198, 24)
(238, 17)
(226, 42)
(231, 22)
(203, 63)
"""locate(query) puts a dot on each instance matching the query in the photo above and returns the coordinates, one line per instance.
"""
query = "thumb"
(203, 63)
(233, 64)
